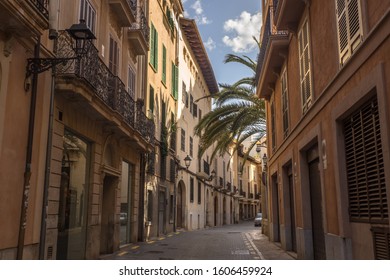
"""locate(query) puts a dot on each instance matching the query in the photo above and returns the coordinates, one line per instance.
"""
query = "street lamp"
(187, 161)
(82, 37)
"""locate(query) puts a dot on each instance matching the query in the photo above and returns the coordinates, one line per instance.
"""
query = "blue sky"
(226, 26)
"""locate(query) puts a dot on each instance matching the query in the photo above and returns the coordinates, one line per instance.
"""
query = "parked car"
(258, 219)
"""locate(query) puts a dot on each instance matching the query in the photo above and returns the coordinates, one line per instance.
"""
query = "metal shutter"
(365, 167)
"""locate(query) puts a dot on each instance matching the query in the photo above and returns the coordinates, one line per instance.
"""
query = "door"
(316, 210)
(179, 207)
(161, 212)
(292, 211)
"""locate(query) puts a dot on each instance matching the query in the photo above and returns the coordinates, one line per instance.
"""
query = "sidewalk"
(270, 250)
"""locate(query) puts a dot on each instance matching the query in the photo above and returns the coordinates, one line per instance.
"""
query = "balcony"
(273, 51)
(250, 196)
(287, 13)
(124, 10)
(96, 89)
(24, 17)
(138, 34)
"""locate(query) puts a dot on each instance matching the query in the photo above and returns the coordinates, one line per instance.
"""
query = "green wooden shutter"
(151, 99)
(164, 65)
(152, 32)
(156, 50)
(176, 92)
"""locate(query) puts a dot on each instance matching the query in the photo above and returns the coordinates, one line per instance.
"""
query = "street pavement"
(240, 241)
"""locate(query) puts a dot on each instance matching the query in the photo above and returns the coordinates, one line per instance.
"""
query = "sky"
(227, 26)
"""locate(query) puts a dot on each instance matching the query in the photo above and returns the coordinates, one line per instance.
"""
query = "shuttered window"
(381, 238)
(131, 81)
(191, 147)
(191, 189)
(365, 166)
(273, 127)
(164, 64)
(172, 171)
(199, 192)
(153, 47)
(151, 99)
(88, 13)
(183, 140)
(175, 81)
(304, 66)
(113, 62)
(285, 104)
(349, 27)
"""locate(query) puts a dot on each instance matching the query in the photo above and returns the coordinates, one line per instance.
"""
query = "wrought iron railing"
(107, 87)
(42, 6)
(268, 31)
(141, 24)
(257, 196)
(133, 6)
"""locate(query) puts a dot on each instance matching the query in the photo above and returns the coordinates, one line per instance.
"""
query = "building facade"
(328, 126)
(91, 132)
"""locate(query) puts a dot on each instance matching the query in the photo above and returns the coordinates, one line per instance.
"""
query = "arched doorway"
(215, 210)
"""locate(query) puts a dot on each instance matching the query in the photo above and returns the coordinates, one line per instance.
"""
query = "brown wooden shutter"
(381, 238)
(304, 63)
(365, 166)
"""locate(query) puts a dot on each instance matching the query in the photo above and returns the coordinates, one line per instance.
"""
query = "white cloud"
(199, 17)
(197, 6)
(244, 29)
(210, 44)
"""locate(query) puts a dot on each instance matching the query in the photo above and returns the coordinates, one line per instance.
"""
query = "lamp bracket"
(39, 65)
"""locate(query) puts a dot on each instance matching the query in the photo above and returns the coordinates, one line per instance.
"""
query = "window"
(153, 47)
(191, 147)
(349, 27)
(131, 81)
(191, 189)
(172, 172)
(151, 99)
(175, 81)
(285, 104)
(183, 140)
(304, 66)
(88, 13)
(364, 165)
(191, 103)
(199, 192)
(164, 65)
(113, 63)
(273, 127)
(173, 133)
(163, 167)
(195, 110)
(200, 114)
(184, 93)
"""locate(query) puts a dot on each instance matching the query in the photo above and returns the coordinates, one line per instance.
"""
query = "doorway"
(108, 215)
(161, 212)
(275, 208)
(179, 205)
(316, 205)
(215, 210)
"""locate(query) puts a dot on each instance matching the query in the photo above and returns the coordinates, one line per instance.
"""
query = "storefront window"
(72, 217)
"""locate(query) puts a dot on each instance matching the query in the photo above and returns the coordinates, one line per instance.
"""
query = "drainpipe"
(27, 170)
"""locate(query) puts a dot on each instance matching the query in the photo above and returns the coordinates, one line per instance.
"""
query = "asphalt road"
(230, 242)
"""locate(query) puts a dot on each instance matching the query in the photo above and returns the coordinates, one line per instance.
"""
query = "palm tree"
(237, 115)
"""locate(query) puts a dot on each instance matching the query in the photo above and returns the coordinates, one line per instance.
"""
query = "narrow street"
(232, 242)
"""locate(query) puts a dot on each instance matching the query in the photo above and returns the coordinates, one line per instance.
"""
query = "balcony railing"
(269, 30)
(42, 6)
(133, 6)
(106, 86)
(141, 24)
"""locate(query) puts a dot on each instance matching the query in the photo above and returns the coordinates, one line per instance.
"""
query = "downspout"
(27, 170)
